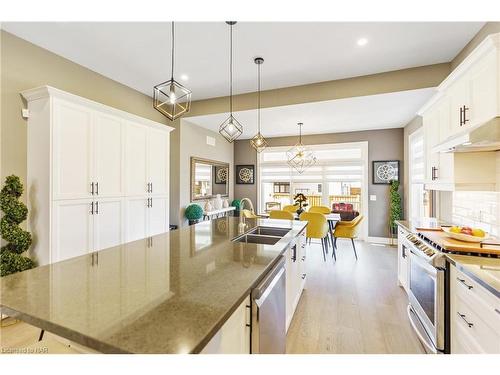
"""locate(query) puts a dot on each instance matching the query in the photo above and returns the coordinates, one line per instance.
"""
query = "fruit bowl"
(463, 236)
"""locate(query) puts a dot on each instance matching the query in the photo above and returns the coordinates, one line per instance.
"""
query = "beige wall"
(382, 145)
(411, 127)
(488, 28)
(193, 142)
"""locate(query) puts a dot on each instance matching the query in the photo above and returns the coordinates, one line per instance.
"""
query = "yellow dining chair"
(320, 209)
(317, 227)
(347, 229)
(291, 208)
(283, 215)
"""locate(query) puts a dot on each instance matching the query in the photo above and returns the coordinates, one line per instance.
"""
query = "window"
(416, 164)
(337, 177)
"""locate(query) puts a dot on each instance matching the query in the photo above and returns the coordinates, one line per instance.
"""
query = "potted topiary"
(300, 200)
(395, 211)
(18, 240)
(237, 204)
(193, 213)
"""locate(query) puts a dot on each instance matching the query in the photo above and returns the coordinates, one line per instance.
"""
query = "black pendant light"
(230, 129)
(258, 141)
(170, 97)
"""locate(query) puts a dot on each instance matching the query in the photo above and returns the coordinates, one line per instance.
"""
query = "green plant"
(19, 240)
(300, 200)
(236, 203)
(395, 211)
(193, 212)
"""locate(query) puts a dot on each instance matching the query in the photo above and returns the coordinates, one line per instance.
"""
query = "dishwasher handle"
(261, 291)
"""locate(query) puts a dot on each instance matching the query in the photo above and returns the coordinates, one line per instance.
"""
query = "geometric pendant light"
(231, 129)
(170, 97)
(258, 142)
(299, 157)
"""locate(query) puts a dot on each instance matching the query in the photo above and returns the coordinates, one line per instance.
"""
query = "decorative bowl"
(464, 237)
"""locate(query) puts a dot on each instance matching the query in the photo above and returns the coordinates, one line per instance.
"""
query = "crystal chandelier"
(230, 128)
(258, 142)
(299, 157)
(171, 98)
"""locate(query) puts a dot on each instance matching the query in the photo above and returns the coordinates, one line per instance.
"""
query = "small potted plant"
(193, 213)
(301, 201)
(236, 203)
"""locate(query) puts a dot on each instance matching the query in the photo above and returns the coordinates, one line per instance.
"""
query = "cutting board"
(451, 244)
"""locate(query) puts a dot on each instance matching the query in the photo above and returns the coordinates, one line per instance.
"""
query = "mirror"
(208, 178)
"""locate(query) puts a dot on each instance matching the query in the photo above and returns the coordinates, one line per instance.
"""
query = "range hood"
(484, 137)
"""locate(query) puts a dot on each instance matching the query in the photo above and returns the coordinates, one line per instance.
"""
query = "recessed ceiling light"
(362, 41)
(184, 77)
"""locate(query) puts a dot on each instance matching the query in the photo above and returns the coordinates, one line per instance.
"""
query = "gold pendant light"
(170, 97)
(230, 129)
(258, 142)
(299, 157)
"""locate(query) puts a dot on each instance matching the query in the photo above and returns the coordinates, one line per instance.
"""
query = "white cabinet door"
(158, 160)
(136, 159)
(108, 156)
(459, 94)
(484, 80)
(431, 138)
(158, 216)
(72, 151)
(136, 218)
(72, 229)
(108, 222)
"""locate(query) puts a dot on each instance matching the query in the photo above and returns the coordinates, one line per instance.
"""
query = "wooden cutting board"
(451, 244)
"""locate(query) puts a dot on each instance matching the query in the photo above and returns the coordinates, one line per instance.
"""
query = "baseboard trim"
(383, 240)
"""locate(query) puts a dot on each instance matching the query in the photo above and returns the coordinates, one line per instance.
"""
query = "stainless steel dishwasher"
(268, 312)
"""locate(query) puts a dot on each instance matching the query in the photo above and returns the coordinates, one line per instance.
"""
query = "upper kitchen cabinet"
(468, 98)
(94, 167)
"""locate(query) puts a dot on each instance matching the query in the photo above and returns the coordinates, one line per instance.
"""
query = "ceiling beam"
(380, 83)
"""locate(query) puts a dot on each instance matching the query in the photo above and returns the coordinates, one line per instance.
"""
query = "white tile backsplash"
(477, 209)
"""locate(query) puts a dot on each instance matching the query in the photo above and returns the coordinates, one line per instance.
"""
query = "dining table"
(331, 218)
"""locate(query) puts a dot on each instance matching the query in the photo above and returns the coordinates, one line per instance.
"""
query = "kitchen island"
(169, 293)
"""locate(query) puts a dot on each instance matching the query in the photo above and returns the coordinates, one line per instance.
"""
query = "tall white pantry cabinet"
(97, 176)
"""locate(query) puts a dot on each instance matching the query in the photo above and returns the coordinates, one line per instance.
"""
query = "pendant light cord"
(231, 70)
(258, 113)
(173, 41)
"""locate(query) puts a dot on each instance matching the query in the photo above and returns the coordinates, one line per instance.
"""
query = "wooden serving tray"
(451, 244)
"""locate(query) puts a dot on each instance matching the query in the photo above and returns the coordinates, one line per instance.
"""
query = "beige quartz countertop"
(485, 271)
(166, 294)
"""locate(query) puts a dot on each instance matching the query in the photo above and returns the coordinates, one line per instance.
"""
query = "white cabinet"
(234, 336)
(296, 274)
(403, 259)
(97, 176)
(474, 316)
(72, 228)
(72, 151)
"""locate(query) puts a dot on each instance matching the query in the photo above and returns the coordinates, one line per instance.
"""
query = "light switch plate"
(210, 141)
(373, 197)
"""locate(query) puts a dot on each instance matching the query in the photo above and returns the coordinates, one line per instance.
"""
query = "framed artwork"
(384, 171)
(221, 174)
(245, 174)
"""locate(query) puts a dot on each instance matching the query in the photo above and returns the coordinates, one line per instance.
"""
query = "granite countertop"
(485, 271)
(166, 294)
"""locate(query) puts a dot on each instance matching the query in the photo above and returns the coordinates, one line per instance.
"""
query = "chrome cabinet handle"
(151, 189)
(92, 208)
(470, 325)
(465, 119)
(97, 208)
(464, 283)
(151, 200)
(303, 276)
(92, 188)
(304, 258)
(97, 188)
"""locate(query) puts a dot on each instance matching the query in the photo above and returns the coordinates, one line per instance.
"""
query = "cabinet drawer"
(472, 329)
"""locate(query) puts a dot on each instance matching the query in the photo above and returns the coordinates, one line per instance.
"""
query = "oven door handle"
(425, 341)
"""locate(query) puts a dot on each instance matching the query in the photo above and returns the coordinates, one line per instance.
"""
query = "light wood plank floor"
(352, 307)
(349, 306)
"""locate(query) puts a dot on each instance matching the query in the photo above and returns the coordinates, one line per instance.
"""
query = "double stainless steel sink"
(263, 235)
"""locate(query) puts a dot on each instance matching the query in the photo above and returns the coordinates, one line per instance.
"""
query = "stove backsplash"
(477, 209)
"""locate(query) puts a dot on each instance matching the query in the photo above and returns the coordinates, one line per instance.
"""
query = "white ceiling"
(382, 111)
(137, 54)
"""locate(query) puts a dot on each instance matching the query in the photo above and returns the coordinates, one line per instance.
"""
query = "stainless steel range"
(426, 310)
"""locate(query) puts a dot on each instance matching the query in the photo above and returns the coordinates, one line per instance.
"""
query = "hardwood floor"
(352, 307)
(349, 306)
